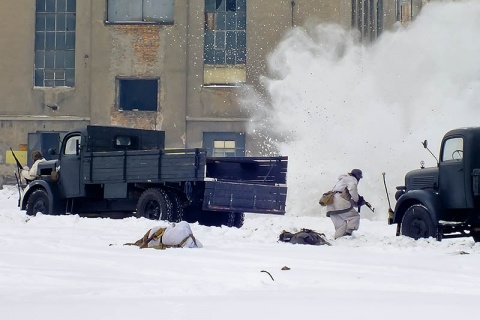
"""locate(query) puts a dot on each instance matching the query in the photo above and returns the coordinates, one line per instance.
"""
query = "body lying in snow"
(178, 235)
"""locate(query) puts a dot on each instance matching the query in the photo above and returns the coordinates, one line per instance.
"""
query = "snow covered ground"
(370, 109)
(58, 267)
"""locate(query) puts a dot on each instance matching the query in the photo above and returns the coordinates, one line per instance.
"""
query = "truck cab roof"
(113, 138)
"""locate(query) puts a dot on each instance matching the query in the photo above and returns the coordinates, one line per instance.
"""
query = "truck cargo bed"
(144, 166)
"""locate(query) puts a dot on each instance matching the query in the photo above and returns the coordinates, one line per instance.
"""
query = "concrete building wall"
(106, 53)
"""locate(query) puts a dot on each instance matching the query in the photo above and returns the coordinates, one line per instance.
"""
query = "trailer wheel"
(239, 219)
(154, 204)
(235, 219)
(417, 223)
(38, 202)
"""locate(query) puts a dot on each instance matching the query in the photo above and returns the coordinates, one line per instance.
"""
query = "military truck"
(443, 201)
(101, 169)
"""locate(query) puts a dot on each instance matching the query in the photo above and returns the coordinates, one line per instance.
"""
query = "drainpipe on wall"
(293, 15)
(187, 69)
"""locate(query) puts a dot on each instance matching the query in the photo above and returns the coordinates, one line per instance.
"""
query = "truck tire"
(154, 204)
(235, 219)
(417, 223)
(38, 202)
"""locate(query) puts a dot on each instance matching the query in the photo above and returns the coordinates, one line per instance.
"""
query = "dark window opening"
(141, 95)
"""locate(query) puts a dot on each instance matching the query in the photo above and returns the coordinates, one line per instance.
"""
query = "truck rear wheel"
(38, 202)
(154, 204)
(417, 223)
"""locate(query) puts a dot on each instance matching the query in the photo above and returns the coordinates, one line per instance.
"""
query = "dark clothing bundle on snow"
(178, 235)
(304, 236)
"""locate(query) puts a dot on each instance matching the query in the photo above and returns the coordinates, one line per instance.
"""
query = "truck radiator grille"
(423, 182)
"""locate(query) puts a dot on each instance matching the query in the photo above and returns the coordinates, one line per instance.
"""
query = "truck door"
(70, 166)
(452, 173)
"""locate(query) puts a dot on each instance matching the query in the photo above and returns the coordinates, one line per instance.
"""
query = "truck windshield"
(453, 149)
(71, 145)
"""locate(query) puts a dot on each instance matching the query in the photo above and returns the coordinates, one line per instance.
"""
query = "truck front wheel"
(38, 202)
(154, 204)
(417, 223)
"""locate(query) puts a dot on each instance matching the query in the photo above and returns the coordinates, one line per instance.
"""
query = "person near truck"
(344, 216)
(30, 174)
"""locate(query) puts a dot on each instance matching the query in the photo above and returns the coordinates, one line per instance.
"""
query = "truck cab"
(443, 201)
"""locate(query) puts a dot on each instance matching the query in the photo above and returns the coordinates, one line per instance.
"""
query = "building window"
(379, 17)
(140, 11)
(224, 144)
(224, 148)
(405, 12)
(137, 94)
(55, 43)
(225, 41)
(363, 18)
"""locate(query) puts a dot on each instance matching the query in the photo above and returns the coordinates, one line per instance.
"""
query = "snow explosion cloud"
(334, 104)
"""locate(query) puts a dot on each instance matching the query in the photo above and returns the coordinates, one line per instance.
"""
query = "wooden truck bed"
(143, 166)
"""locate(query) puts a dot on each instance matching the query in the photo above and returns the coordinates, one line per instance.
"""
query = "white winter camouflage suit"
(344, 216)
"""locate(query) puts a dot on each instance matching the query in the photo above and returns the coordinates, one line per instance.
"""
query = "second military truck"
(443, 201)
(115, 169)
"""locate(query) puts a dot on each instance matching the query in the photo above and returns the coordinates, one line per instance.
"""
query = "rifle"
(19, 165)
(368, 205)
(18, 176)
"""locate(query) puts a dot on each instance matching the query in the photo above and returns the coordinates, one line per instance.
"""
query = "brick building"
(177, 66)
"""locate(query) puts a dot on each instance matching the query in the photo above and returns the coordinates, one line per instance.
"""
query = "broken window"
(225, 41)
(55, 43)
(139, 11)
(137, 94)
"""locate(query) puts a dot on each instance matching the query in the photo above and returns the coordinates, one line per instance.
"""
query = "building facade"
(172, 65)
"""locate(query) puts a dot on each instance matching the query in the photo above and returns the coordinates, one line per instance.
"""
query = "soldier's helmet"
(357, 173)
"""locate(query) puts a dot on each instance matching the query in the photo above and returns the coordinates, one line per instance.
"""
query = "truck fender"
(35, 185)
(427, 198)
